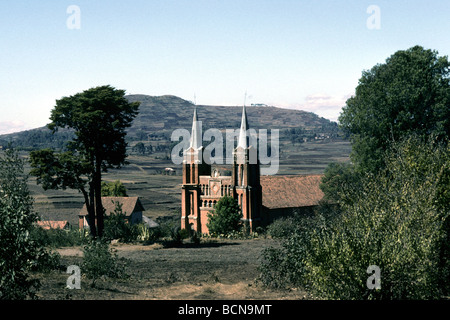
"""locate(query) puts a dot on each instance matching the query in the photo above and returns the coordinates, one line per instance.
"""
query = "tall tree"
(409, 93)
(114, 189)
(17, 250)
(99, 117)
(226, 217)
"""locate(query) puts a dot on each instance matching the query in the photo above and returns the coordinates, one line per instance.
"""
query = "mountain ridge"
(160, 115)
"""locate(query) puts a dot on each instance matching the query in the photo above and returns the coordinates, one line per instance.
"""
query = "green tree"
(340, 182)
(114, 189)
(226, 217)
(398, 221)
(409, 93)
(117, 226)
(18, 252)
(101, 261)
(99, 116)
(139, 148)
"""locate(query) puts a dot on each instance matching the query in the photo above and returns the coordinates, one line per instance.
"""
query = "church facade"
(202, 187)
(262, 198)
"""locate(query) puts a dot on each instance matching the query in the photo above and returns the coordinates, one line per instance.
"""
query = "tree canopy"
(99, 116)
(409, 93)
(226, 217)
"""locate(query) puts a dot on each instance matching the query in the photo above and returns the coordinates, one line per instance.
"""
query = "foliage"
(101, 261)
(18, 252)
(99, 117)
(398, 222)
(114, 189)
(282, 227)
(226, 217)
(36, 139)
(340, 183)
(118, 227)
(410, 93)
(56, 238)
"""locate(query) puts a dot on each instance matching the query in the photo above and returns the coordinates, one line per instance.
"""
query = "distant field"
(161, 194)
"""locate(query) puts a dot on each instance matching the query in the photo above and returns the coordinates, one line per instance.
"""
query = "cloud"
(12, 126)
(324, 105)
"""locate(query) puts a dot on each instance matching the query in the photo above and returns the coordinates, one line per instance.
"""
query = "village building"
(52, 224)
(262, 198)
(131, 207)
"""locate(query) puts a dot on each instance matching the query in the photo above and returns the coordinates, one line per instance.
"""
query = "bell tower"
(246, 177)
(193, 166)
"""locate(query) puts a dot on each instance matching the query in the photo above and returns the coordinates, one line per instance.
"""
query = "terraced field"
(160, 194)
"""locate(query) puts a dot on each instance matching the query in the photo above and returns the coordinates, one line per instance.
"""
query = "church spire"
(243, 139)
(196, 139)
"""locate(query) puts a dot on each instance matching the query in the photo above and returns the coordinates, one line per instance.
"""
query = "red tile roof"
(291, 191)
(49, 224)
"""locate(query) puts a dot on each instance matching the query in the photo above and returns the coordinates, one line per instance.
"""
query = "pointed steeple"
(196, 139)
(243, 139)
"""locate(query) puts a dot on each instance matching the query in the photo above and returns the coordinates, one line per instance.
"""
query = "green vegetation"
(118, 227)
(410, 93)
(99, 117)
(19, 254)
(57, 238)
(225, 218)
(391, 206)
(101, 261)
(398, 221)
(113, 189)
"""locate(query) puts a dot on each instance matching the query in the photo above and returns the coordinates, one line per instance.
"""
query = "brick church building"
(261, 198)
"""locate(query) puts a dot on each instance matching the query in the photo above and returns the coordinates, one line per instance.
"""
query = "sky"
(298, 54)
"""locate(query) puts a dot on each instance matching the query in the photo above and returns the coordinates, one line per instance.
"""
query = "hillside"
(308, 144)
(160, 115)
(166, 113)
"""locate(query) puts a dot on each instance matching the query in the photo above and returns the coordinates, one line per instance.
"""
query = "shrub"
(398, 221)
(19, 253)
(225, 218)
(117, 226)
(176, 237)
(101, 261)
(282, 227)
(56, 238)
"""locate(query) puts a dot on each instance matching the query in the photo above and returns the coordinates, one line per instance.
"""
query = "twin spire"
(243, 138)
(196, 138)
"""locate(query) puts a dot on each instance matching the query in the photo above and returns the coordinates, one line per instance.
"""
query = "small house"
(50, 224)
(131, 208)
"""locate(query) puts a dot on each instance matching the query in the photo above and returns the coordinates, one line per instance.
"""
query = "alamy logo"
(74, 20)
(220, 150)
(373, 22)
(74, 281)
(374, 281)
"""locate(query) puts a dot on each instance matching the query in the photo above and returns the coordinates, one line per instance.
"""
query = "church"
(262, 198)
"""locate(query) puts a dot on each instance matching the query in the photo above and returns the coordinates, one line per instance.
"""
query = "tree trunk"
(97, 182)
(91, 213)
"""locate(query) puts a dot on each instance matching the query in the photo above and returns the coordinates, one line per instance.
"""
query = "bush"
(176, 237)
(56, 238)
(398, 221)
(101, 261)
(117, 227)
(225, 218)
(282, 227)
(19, 253)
